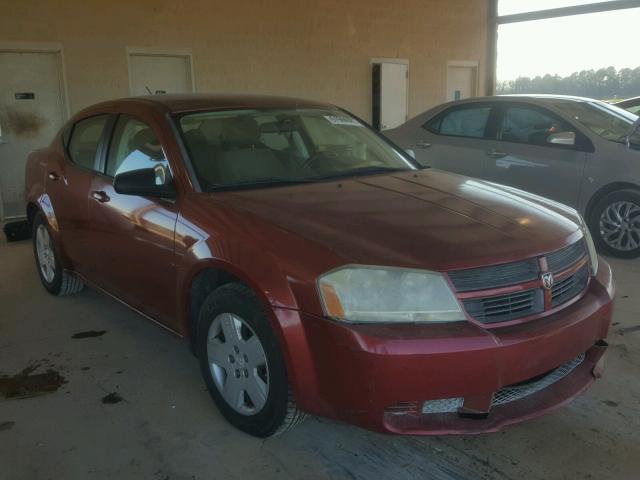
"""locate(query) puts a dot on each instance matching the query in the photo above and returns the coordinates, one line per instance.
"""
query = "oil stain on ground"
(6, 425)
(89, 334)
(27, 384)
(113, 397)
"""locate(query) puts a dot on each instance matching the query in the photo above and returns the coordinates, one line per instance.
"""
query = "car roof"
(175, 103)
(548, 98)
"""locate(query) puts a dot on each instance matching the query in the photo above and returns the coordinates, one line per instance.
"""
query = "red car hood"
(427, 219)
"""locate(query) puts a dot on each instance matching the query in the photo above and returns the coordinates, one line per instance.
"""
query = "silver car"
(577, 151)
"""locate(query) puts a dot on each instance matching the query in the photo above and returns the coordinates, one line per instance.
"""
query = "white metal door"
(31, 113)
(393, 95)
(461, 82)
(159, 74)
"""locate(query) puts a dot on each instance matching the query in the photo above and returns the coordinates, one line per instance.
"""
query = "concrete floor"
(166, 427)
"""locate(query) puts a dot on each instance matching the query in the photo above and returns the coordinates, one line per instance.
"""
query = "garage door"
(31, 113)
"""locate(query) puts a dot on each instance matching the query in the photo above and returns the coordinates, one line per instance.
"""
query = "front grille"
(502, 308)
(563, 259)
(524, 389)
(569, 287)
(475, 283)
(495, 276)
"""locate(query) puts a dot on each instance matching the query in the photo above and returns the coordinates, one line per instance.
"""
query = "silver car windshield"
(252, 148)
(606, 121)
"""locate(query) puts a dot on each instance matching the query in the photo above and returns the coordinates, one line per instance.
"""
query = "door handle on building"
(100, 196)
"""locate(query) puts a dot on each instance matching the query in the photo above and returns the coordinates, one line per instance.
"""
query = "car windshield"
(607, 121)
(256, 148)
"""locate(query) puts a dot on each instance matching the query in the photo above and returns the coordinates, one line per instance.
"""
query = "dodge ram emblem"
(547, 280)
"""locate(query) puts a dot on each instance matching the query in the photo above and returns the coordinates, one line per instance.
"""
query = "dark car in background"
(578, 151)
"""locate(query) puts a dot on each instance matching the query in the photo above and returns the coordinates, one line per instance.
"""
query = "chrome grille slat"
(495, 276)
(563, 259)
(569, 287)
(505, 307)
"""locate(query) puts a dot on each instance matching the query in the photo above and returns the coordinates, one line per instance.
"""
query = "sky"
(568, 44)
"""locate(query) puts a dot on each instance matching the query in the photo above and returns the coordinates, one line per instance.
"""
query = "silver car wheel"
(44, 250)
(238, 364)
(620, 226)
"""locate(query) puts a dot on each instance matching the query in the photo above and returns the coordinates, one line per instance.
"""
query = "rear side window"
(134, 146)
(528, 125)
(85, 140)
(462, 122)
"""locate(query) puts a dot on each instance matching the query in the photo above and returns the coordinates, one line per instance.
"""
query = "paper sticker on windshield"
(338, 120)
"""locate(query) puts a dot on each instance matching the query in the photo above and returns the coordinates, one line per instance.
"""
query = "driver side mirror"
(146, 182)
(562, 138)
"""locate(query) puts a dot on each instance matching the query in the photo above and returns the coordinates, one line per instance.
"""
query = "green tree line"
(604, 83)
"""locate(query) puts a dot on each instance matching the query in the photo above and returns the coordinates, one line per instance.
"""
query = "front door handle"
(496, 154)
(423, 144)
(53, 176)
(100, 196)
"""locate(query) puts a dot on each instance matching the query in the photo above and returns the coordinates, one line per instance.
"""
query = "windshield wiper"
(355, 172)
(258, 183)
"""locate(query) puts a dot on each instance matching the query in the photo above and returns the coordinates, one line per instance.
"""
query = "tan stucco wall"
(317, 49)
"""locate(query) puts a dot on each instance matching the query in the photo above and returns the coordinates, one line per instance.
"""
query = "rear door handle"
(496, 154)
(53, 176)
(100, 196)
(423, 144)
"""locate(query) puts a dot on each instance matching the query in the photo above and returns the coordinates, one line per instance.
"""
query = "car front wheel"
(615, 224)
(242, 365)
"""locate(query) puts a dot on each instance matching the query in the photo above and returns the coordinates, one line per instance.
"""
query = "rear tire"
(242, 365)
(54, 278)
(614, 222)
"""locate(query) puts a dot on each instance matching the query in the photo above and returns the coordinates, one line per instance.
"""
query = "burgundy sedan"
(315, 268)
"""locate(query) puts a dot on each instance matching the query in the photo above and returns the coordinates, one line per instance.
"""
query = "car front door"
(133, 235)
(526, 155)
(455, 140)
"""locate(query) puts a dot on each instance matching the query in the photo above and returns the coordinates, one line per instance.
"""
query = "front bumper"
(380, 376)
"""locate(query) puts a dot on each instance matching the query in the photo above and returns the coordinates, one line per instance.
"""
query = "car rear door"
(522, 157)
(133, 236)
(455, 140)
(68, 185)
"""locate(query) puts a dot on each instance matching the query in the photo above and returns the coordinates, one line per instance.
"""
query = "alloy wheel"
(238, 364)
(46, 256)
(620, 225)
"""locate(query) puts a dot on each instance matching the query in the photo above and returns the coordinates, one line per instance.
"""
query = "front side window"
(134, 146)
(85, 140)
(468, 122)
(606, 121)
(528, 125)
(250, 147)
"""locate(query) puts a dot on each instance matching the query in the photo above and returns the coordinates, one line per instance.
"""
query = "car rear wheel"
(615, 224)
(242, 364)
(54, 278)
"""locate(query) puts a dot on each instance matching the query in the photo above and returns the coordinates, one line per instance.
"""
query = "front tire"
(242, 365)
(54, 278)
(614, 222)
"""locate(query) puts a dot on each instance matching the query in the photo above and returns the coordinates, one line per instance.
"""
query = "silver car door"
(538, 152)
(454, 140)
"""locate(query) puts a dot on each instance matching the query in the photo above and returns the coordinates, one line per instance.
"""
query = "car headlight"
(384, 294)
(593, 255)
